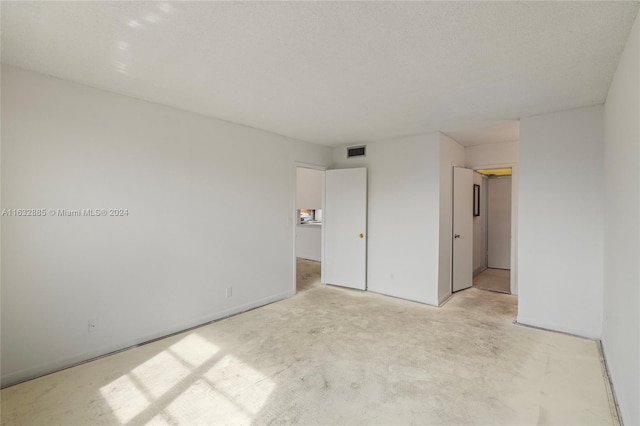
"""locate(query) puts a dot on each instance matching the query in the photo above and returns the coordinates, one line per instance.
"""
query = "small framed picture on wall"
(476, 200)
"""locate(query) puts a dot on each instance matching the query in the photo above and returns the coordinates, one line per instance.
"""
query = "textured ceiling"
(334, 72)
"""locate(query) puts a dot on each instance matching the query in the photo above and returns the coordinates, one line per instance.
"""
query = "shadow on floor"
(307, 274)
(498, 280)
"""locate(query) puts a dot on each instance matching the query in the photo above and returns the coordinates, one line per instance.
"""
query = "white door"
(499, 223)
(345, 227)
(462, 271)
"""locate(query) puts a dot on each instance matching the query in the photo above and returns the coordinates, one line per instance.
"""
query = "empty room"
(320, 213)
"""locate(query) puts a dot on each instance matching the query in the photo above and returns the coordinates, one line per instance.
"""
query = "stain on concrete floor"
(494, 280)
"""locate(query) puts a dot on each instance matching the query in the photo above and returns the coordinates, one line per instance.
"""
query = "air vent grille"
(356, 151)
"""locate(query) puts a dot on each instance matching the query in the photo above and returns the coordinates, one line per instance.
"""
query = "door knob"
(456, 236)
(361, 235)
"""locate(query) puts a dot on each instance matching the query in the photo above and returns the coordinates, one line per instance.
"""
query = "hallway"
(493, 280)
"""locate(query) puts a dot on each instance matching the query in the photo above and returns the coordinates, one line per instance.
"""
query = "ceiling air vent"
(356, 151)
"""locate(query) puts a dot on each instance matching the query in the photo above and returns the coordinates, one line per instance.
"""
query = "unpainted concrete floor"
(336, 356)
(493, 280)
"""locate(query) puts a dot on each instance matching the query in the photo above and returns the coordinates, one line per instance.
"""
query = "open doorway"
(492, 230)
(484, 229)
(308, 226)
(336, 242)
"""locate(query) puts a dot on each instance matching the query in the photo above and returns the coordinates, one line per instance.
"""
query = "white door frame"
(514, 218)
(294, 219)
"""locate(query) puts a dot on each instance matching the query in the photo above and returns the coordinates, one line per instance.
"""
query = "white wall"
(560, 221)
(621, 335)
(309, 242)
(309, 188)
(491, 155)
(499, 222)
(311, 154)
(191, 185)
(479, 242)
(451, 154)
(403, 214)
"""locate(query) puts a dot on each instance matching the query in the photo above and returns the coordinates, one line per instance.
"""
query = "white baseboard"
(556, 327)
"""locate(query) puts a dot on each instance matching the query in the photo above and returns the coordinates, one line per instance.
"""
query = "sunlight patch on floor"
(230, 391)
(201, 383)
(194, 349)
(125, 398)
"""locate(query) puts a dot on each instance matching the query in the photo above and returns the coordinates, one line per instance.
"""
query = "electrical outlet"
(229, 292)
(93, 325)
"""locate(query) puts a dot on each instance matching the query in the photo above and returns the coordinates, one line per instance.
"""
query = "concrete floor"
(494, 280)
(336, 356)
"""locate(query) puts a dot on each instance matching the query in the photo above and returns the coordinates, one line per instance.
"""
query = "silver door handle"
(456, 236)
